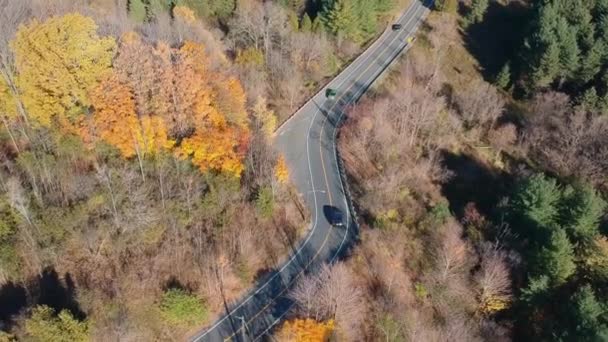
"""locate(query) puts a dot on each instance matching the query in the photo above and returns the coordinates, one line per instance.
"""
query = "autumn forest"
(140, 190)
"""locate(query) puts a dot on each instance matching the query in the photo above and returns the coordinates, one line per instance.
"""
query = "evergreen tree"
(556, 259)
(568, 49)
(317, 24)
(535, 205)
(137, 10)
(537, 292)
(448, 6)
(367, 18)
(582, 211)
(548, 66)
(293, 21)
(503, 79)
(477, 11)
(339, 18)
(306, 23)
(383, 6)
(591, 63)
(589, 99)
(587, 321)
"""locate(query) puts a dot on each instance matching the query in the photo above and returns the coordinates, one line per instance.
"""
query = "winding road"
(307, 140)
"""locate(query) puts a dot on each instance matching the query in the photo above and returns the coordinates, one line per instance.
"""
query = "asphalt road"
(307, 141)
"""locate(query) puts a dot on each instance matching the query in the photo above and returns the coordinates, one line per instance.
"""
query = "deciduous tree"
(59, 61)
(305, 330)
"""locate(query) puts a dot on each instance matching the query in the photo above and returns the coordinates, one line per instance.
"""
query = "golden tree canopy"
(8, 105)
(305, 330)
(281, 171)
(59, 61)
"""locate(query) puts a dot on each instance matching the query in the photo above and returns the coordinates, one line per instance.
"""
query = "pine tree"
(317, 24)
(591, 63)
(306, 23)
(339, 19)
(503, 79)
(587, 321)
(535, 205)
(293, 21)
(366, 14)
(548, 66)
(589, 99)
(556, 259)
(569, 51)
(477, 11)
(582, 211)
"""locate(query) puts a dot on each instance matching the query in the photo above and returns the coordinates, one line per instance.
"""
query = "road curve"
(307, 141)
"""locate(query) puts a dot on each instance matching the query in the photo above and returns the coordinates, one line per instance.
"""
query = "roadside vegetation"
(478, 171)
(137, 181)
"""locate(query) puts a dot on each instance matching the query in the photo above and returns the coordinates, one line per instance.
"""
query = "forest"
(138, 177)
(478, 168)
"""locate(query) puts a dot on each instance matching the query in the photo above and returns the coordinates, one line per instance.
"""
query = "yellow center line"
(328, 191)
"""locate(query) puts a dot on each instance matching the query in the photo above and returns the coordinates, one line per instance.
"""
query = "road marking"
(345, 202)
(327, 184)
(344, 74)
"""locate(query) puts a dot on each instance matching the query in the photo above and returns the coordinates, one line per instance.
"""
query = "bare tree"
(569, 141)
(480, 106)
(503, 137)
(452, 254)
(333, 294)
(493, 280)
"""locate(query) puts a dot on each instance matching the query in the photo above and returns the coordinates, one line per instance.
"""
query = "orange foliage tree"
(305, 330)
(201, 108)
(116, 122)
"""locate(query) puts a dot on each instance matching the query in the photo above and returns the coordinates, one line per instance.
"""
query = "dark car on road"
(334, 216)
(330, 93)
(396, 27)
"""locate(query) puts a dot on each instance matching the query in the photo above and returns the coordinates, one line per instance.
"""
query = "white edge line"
(406, 48)
(311, 231)
(344, 73)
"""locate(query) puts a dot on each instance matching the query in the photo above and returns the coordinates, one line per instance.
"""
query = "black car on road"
(334, 216)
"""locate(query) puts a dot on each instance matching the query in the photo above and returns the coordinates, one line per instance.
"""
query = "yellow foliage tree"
(266, 119)
(8, 105)
(250, 57)
(597, 260)
(184, 14)
(493, 304)
(59, 61)
(281, 171)
(305, 330)
(232, 100)
(214, 150)
(216, 106)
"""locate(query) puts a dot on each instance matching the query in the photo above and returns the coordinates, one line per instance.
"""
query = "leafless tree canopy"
(568, 140)
(333, 294)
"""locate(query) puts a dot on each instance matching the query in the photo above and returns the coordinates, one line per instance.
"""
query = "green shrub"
(45, 326)
(182, 308)
(265, 202)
